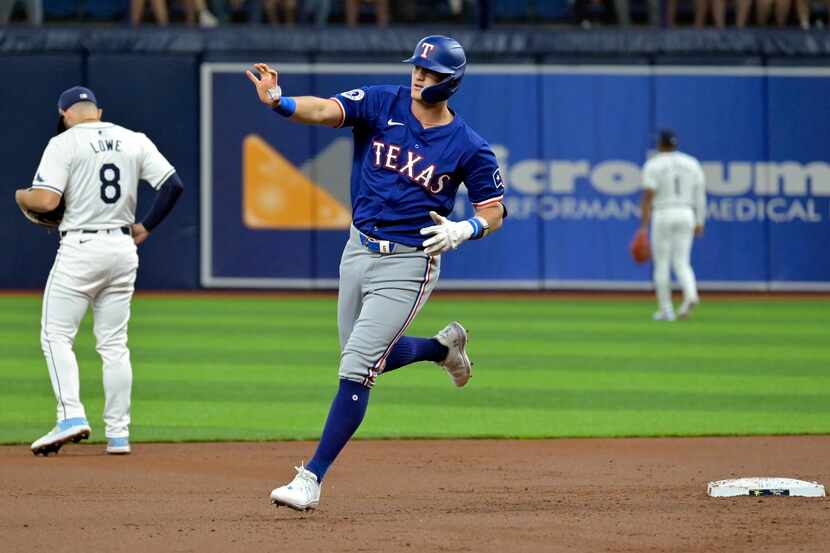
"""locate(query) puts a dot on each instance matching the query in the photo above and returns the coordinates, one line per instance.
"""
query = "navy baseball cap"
(72, 96)
(667, 137)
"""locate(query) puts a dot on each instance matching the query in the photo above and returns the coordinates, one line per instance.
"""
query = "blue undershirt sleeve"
(168, 195)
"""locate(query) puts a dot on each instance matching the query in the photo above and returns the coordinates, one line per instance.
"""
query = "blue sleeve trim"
(168, 195)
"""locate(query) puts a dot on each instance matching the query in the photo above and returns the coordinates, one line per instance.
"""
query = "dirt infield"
(632, 495)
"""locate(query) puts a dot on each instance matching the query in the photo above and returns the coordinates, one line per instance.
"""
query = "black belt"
(124, 230)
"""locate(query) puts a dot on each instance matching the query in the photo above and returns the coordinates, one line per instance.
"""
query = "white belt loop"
(384, 246)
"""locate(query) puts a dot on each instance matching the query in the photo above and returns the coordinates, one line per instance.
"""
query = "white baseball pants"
(672, 233)
(98, 270)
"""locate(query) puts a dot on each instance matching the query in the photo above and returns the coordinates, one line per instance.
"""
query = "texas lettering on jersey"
(401, 171)
(386, 157)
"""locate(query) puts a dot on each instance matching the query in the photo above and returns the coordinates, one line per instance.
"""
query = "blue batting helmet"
(443, 55)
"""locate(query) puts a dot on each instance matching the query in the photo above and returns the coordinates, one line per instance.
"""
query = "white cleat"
(67, 430)
(663, 316)
(118, 446)
(301, 494)
(457, 363)
(686, 309)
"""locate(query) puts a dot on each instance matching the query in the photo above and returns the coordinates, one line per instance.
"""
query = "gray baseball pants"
(379, 297)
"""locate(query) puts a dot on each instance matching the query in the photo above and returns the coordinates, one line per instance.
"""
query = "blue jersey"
(402, 171)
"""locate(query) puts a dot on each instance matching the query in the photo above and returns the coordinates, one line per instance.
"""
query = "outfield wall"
(571, 137)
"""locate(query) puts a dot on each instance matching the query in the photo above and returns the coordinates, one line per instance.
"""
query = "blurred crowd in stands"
(482, 13)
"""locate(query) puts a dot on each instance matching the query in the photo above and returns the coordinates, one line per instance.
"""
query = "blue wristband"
(478, 228)
(286, 107)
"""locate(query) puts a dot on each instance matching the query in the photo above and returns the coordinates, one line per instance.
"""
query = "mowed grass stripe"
(797, 309)
(195, 420)
(526, 350)
(525, 365)
(265, 368)
(673, 393)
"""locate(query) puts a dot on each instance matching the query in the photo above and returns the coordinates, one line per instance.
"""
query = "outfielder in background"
(93, 167)
(411, 152)
(674, 202)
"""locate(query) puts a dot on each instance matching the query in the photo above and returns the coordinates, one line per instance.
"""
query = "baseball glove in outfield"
(639, 247)
(50, 219)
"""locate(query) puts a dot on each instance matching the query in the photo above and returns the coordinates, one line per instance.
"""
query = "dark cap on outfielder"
(667, 137)
(72, 96)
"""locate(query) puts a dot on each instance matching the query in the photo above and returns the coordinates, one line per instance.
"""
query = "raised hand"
(266, 84)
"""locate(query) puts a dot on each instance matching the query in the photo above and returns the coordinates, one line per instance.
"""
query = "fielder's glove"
(448, 235)
(640, 247)
(50, 219)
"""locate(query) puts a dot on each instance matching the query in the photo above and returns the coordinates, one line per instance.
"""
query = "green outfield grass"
(266, 368)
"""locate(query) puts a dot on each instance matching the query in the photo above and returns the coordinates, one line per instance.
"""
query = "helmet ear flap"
(441, 91)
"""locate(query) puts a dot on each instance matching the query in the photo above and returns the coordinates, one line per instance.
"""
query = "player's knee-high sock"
(409, 350)
(345, 416)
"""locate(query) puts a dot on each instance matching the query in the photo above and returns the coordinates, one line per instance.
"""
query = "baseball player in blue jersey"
(411, 152)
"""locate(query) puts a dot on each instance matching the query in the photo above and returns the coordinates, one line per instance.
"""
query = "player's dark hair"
(667, 140)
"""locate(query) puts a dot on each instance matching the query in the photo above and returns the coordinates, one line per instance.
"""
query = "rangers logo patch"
(355, 95)
(497, 180)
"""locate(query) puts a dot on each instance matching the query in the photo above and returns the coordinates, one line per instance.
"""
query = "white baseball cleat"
(685, 311)
(457, 363)
(118, 446)
(67, 430)
(301, 494)
(663, 316)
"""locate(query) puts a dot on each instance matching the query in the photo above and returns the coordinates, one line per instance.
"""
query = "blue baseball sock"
(346, 414)
(409, 350)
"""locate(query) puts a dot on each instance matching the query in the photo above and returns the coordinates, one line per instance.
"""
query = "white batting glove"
(446, 235)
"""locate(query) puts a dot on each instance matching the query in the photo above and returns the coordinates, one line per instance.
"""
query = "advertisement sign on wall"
(570, 140)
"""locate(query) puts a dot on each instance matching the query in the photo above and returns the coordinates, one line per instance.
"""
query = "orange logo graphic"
(277, 195)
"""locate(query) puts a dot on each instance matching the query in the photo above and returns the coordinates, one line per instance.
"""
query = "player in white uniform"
(95, 167)
(675, 191)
